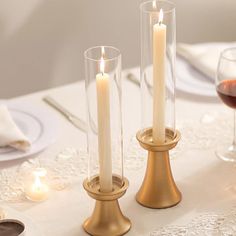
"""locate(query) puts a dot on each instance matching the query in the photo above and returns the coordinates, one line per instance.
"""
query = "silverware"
(77, 122)
(133, 78)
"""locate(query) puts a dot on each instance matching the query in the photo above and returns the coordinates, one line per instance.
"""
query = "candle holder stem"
(158, 189)
(107, 218)
(98, 224)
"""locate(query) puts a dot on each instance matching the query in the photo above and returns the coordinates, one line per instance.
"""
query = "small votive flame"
(38, 191)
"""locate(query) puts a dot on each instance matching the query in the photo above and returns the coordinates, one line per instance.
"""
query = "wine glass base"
(227, 153)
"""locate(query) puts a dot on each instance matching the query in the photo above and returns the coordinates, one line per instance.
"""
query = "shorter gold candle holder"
(107, 218)
(158, 189)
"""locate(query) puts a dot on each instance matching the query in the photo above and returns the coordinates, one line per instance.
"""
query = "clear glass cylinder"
(158, 55)
(104, 136)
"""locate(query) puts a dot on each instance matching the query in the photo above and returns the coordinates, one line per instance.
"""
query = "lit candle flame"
(102, 63)
(154, 4)
(160, 16)
(38, 173)
(37, 183)
(103, 51)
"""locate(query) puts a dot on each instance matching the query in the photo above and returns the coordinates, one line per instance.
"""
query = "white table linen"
(205, 181)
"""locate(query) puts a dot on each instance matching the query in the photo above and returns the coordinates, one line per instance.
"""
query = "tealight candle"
(37, 190)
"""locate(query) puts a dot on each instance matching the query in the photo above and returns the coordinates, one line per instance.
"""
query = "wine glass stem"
(234, 140)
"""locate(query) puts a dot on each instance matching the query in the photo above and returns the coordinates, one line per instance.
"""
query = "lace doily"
(72, 165)
(68, 166)
(210, 224)
(207, 133)
(211, 130)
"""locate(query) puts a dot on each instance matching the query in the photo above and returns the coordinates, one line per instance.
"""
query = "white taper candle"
(104, 130)
(159, 51)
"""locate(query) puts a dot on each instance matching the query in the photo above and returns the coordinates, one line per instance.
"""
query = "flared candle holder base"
(107, 218)
(158, 189)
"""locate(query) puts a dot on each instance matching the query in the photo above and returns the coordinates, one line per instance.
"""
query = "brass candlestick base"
(107, 218)
(158, 189)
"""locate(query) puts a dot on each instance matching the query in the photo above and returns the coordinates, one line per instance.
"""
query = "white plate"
(30, 228)
(189, 80)
(36, 123)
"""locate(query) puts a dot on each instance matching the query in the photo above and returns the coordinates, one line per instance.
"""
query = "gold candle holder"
(158, 189)
(107, 218)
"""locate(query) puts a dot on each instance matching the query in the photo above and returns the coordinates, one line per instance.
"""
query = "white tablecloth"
(205, 181)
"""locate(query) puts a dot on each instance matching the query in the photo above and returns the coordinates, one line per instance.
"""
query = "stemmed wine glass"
(226, 89)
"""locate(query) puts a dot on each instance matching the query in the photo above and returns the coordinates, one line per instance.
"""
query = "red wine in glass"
(226, 90)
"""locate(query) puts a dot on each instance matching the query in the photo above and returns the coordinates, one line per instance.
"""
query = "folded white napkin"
(203, 57)
(10, 134)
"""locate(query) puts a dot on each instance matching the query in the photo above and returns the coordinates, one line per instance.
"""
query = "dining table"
(207, 184)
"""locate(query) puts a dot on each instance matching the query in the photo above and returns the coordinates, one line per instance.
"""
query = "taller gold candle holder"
(157, 72)
(158, 189)
(107, 218)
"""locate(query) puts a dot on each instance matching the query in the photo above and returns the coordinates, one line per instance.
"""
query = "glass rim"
(157, 1)
(105, 59)
(222, 55)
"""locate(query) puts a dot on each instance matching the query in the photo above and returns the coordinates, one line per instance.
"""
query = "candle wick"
(159, 23)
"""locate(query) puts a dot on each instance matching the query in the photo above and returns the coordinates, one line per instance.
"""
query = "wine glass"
(226, 89)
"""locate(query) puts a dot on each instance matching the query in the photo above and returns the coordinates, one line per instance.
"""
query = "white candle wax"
(104, 132)
(159, 50)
